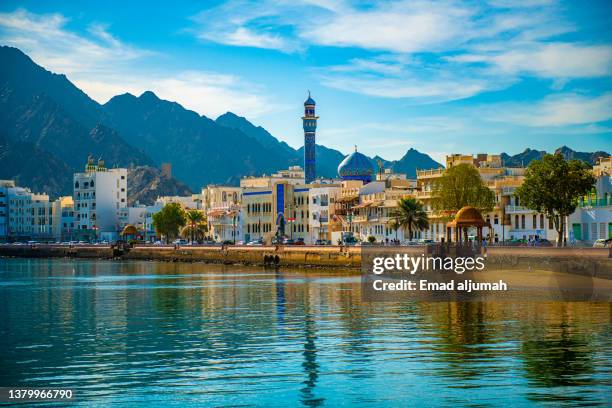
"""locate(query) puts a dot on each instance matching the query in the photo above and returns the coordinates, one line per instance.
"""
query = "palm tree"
(195, 232)
(195, 224)
(410, 216)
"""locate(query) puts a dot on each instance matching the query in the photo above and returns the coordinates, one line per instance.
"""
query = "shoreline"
(584, 261)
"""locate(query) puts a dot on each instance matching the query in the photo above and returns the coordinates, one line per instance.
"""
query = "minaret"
(310, 127)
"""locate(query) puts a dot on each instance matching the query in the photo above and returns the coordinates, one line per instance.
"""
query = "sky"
(438, 76)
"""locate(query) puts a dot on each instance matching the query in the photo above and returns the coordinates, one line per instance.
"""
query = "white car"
(603, 243)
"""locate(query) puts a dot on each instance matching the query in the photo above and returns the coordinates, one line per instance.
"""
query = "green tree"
(459, 186)
(553, 186)
(169, 220)
(410, 216)
(196, 225)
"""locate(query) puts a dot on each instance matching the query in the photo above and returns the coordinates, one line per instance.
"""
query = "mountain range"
(48, 127)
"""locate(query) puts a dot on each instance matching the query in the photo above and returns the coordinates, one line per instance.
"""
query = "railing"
(517, 209)
(431, 172)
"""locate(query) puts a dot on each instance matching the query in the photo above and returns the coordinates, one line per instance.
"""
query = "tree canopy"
(410, 216)
(169, 220)
(459, 186)
(553, 186)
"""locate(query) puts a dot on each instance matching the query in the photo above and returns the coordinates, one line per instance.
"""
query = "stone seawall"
(587, 261)
(332, 256)
(58, 251)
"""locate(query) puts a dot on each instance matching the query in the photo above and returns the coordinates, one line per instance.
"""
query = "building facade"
(99, 195)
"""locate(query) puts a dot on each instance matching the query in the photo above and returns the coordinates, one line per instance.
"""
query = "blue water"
(170, 334)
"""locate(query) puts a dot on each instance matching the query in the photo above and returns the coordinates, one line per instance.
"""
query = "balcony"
(508, 191)
(517, 209)
(432, 173)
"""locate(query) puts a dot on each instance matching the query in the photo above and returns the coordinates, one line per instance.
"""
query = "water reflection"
(216, 335)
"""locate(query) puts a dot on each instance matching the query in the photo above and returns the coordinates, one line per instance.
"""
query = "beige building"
(223, 212)
(266, 209)
(293, 175)
(509, 219)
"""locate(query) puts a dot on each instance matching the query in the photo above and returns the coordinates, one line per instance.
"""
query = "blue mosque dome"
(356, 166)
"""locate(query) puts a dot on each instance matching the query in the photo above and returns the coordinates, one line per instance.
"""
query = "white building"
(191, 202)
(5, 185)
(293, 175)
(99, 194)
(223, 212)
(593, 218)
(42, 218)
(19, 214)
(321, 209)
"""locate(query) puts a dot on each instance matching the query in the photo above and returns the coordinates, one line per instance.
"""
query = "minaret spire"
(309, 122)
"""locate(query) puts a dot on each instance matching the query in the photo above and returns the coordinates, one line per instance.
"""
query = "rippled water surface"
(146, 333)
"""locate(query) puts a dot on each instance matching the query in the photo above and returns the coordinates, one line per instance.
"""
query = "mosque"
(355, 166)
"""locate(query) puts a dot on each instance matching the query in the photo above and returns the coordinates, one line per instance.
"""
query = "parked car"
(603, 243)
(322, 242)
(299, 241)
(288, 241)
(180, 242)
(543, 243)
(257, 242)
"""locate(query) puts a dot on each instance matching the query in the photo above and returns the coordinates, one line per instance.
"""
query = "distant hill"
(524, 158)
(147, 183)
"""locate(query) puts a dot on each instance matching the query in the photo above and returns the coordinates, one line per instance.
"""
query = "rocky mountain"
(200, 150)
(525, 157)
(48, 111)
(33, 167)
(47, 120)
(588, 157)
(147, 183)
(413, 160)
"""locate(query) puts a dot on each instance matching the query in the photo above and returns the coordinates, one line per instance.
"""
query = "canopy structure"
(466, 218)
(129, 230)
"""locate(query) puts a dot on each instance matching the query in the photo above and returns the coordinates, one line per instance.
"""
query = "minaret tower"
(310, 127)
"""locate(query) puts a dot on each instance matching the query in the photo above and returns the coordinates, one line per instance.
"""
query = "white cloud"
(554, 111)
(103, 66)
(399, 27)
(548, 60)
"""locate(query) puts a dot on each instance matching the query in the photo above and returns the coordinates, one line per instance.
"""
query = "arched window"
(76, 184)
(224, 196)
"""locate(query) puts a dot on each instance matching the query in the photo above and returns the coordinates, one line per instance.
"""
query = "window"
(496, 220)
(516, 221)
(522, 221)
(541, 221)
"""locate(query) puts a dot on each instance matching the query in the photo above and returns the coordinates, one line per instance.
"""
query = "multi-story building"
(99, 194)
(592, 220)
(378, 201)
(5, 185)
(20, 214)
(293, 175)
(191, 202)
(280, 209)
(322, 198)
(42, 218)
(223, 212)
(63, 219)
(508, 219)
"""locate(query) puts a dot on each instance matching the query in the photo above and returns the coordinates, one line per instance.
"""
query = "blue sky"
(442, 76)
